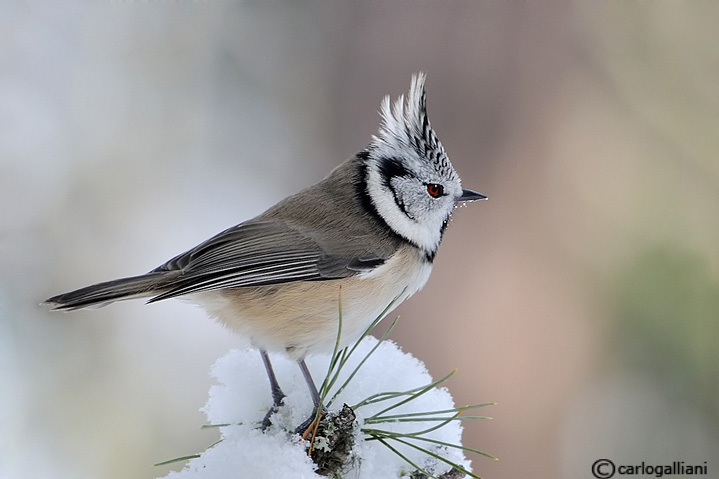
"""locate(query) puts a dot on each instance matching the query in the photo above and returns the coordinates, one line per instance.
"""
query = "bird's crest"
(405, 126)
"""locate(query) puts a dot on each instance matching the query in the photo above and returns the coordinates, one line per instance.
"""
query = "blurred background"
(583, 297)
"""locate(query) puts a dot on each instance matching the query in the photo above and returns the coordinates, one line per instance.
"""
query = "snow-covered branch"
(241, 398)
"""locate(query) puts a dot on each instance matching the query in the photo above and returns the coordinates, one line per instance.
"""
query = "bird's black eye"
(435, 190)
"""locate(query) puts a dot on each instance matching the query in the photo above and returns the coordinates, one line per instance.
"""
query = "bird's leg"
(277, 394)
(317, 402)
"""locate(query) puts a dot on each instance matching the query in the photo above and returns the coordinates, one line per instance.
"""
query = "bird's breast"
(302, 317)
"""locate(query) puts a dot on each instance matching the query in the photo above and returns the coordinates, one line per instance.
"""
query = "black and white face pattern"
(410, 180)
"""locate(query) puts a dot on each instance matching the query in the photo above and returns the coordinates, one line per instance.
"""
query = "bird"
(368, 232)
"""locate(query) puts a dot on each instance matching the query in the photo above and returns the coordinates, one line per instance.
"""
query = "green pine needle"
(187, 458)
(436, 456)
(177, 459)
(427, 473)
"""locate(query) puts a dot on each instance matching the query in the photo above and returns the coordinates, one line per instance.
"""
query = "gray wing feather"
(260, 253)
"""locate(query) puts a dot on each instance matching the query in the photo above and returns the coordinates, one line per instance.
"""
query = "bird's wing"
(262, 253)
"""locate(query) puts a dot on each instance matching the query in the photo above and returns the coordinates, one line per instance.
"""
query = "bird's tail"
(101, 294)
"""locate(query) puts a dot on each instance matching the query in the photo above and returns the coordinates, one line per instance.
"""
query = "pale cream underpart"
(301, 318)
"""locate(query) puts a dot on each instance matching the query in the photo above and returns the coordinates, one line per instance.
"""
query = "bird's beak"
(469, 195)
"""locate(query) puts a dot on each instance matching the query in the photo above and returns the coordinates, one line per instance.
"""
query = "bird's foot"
(310, 424)
(266, 422)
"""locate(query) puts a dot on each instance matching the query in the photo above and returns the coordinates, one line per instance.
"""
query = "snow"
(242, 397)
